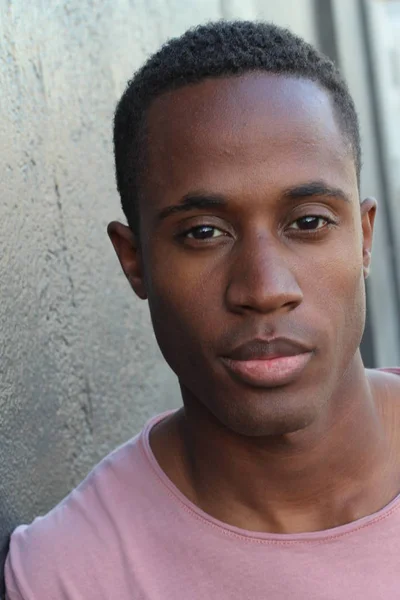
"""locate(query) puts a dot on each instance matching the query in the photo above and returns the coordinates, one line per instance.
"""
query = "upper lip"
(259, 349)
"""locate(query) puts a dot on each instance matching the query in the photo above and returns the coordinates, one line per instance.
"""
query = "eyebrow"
(193, 201)
(315, 188)
(203, 200)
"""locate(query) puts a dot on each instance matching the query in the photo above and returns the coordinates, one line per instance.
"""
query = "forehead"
(257, 128)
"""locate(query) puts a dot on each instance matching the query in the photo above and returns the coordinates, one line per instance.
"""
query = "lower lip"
(268, 372)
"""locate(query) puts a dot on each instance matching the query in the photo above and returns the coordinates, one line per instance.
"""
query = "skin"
(279, 246)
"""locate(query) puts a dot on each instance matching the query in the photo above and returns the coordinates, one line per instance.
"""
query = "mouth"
(266, 364)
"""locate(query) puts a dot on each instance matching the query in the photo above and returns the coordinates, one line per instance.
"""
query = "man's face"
(253, 251)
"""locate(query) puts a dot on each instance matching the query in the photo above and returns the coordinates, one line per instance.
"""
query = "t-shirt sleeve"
(28, 571)
(60, 556)
(13, 571)
(51, 561)
(76, 551)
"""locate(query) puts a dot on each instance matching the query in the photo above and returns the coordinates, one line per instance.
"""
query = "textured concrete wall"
(79, 368)
(384, 309)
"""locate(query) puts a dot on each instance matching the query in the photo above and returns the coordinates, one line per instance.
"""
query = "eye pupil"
(308, 222)
(202, 232)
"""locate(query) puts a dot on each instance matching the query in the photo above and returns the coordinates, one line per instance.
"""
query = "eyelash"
(309, 232)
(328, 222)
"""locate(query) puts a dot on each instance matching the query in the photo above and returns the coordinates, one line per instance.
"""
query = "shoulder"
(385, 384)
(74, 545)
(388, 375)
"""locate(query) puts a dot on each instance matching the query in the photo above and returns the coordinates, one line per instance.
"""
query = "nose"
(262, 278)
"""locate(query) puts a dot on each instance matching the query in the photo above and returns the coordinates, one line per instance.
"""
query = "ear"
(368, 212)
(127, 249)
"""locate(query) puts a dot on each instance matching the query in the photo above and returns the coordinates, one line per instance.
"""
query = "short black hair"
(218, 49)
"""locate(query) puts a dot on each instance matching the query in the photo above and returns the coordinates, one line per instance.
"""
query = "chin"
(276, 414)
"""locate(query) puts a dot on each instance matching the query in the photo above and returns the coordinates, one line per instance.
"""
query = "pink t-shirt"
(127, 533)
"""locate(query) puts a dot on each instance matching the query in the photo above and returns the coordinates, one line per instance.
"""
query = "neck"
(331, 473)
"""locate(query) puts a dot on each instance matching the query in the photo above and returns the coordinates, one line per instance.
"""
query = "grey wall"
(79, 368)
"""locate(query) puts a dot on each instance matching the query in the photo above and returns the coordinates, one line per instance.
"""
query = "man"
(238, 160)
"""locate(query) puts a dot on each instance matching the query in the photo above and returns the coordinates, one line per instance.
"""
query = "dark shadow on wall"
(367, 343)
(6, 528)
(3, 554)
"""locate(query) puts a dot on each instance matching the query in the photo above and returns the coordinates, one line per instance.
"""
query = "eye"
(203, 232)
(310, 223)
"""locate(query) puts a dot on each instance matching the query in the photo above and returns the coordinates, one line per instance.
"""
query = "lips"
(266, 350)
(272, 363)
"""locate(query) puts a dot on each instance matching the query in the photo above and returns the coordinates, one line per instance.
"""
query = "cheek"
(354, 317)
(180, 296)
(341, 294)
(178, 301)
(182, 286)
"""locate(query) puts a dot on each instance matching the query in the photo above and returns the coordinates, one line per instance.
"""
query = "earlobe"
(367, 263)
(127, 249)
